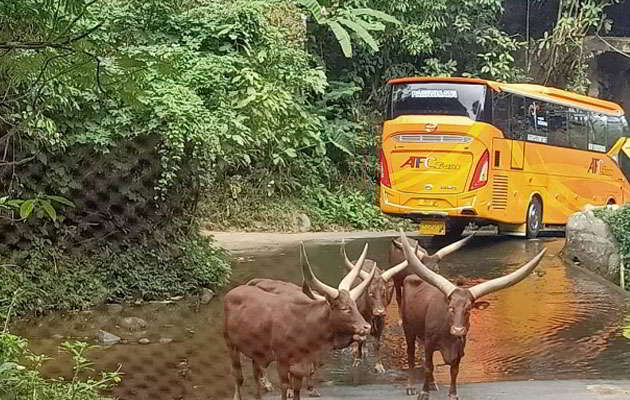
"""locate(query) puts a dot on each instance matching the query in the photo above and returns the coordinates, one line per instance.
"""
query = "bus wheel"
(534, 218)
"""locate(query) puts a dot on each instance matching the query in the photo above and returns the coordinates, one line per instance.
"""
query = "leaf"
(61, 200)
(376, 14)
(314, 8)
(362, 32)
(341, 147)
(26, 209)
(291, 152)
(342, 37)
(49, 209)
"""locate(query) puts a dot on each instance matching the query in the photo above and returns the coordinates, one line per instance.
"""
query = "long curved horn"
(347, 262)
(508, 280)
(347, 280)
(311, 280)
(356, 292)
(453, 247)
(423, 272)
(389, 274)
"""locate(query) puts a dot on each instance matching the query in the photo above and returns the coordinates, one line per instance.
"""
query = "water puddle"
(561, 323)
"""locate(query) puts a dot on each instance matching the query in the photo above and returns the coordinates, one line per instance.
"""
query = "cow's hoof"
(289, 393)
(423, 396)
(356, 362)
(453, 397)
(411, 391)
(433, 387)
(314, 393)
(379, 369)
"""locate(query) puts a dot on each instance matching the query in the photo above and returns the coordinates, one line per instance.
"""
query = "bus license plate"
(432, 228)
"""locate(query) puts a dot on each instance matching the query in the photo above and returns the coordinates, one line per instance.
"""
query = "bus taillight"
(480, 178)
(385, 172)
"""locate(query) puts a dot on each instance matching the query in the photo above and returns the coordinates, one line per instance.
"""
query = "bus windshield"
(466, 100)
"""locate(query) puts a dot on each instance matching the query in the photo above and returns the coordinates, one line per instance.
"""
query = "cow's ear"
(481, 305)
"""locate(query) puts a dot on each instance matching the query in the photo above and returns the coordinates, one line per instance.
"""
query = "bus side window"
(557, 125)
(597, 132)
(616, 129)
(537, 126)
(577, 120)
(501, 112)
(519, 120)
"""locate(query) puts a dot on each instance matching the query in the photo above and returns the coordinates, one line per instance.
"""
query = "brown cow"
(397, 256)
(293, 331)
(438, 313)
(288, 289)
(372, 305)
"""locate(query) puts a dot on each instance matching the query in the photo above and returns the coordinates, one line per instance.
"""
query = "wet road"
(559, 324)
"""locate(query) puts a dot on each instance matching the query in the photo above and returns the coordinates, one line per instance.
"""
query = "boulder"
(591, 243)
(206, 296)
(302, 223)
(106, 338)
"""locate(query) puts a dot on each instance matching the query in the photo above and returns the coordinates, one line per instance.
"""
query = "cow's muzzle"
(378, 312)
(361, 334)
(458, 331)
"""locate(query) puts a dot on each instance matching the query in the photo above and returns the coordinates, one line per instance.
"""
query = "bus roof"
(538, 92)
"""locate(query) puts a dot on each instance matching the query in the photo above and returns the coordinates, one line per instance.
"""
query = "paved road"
(527, 390)
(262, 242)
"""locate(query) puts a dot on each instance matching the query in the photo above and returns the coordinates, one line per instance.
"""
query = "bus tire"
(534, 218)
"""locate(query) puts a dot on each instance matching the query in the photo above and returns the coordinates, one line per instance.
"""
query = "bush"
(20, 377)
(619, 223)
(50, 278)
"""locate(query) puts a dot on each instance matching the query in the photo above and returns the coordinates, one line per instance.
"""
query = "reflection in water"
(559, 324)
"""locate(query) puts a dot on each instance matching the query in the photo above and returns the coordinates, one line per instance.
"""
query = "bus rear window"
(466, 100)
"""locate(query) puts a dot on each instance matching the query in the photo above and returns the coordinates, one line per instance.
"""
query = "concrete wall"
(610, 69)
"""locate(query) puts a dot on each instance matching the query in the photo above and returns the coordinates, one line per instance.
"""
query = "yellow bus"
(522, 157)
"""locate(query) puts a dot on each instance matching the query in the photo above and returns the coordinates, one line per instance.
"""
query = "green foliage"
(344, 208)
(360, 21)
(434, 37)
(20, 377)
(560, 58)
(50, 278)
(619, 223)
(41, 206)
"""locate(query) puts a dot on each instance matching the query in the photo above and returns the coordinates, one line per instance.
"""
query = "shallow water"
(561, 324)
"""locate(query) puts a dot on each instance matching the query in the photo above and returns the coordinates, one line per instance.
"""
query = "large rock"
(206, 296)
(106, 338)
(590, 242)
(302, 223)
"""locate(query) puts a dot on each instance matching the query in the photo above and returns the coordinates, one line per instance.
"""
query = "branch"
(17, 163)
(46, 45)
(78, 17)
(623, 53)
